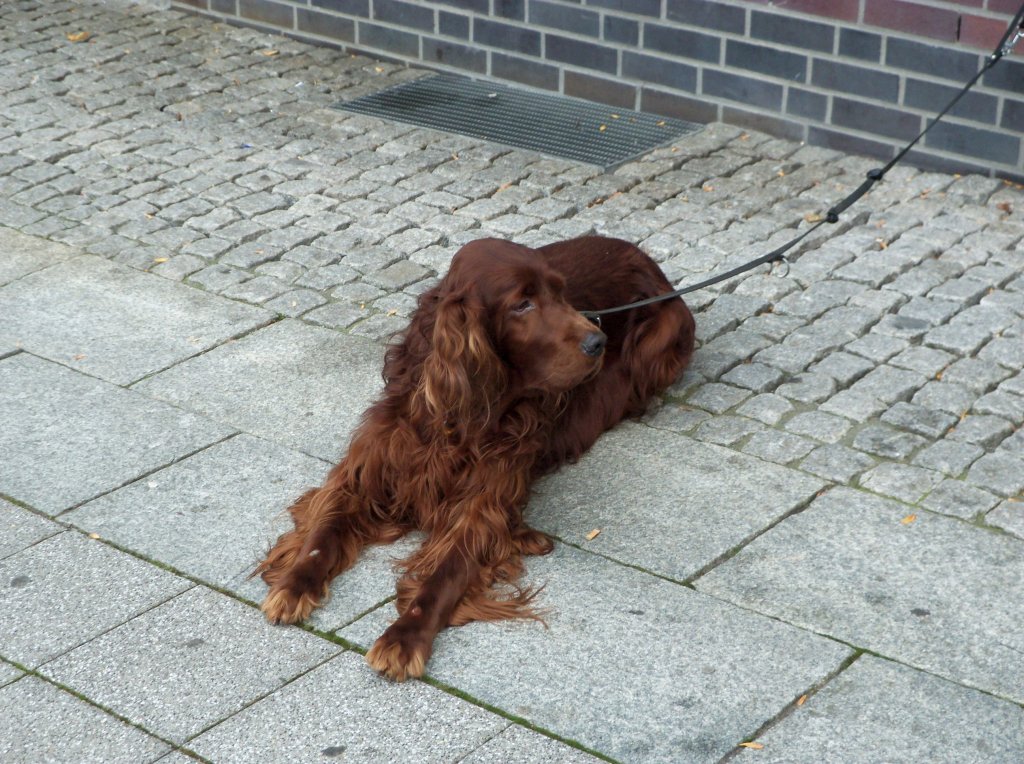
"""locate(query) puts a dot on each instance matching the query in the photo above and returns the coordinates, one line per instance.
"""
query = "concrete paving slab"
(665, 502)
(924, 589)
(20, 528)
(61, 593)
(518, 745)
(1009, 516)
(214, 515)
(42, 723)
(68, 437)
(113, 322)
(302, 386)
(189, 663)
(9, 673)
(877, 710)
(342, 710)
(632, 666)
(24, 254)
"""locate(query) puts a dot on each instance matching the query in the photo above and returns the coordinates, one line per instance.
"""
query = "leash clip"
(595, 320)
(784, 262)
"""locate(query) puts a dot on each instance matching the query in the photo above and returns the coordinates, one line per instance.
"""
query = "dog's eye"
(524, 306)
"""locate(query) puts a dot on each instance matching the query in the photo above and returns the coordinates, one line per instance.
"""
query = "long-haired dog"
(497, 380)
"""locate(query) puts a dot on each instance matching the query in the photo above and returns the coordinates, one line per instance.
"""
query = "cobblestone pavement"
(813, 547)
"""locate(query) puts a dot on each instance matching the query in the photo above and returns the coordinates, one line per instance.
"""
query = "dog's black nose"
(593, 344)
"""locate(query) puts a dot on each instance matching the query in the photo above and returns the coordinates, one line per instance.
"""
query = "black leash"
(1013, 33)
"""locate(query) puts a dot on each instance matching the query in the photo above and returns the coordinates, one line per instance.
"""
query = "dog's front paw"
(401, 652)
(282, 605)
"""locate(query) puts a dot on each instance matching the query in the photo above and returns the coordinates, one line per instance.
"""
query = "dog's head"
(499, 322)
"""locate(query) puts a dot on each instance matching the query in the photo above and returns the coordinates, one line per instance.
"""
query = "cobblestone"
(959, 499)
(900, 481)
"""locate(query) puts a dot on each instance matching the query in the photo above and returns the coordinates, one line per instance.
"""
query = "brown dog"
(497, 380)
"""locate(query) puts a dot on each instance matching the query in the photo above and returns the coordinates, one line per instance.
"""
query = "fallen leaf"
(593, 534)
(707, 188)
(883, 244)
(755, 746)
(602, 128)
(614, 116)
(660, 123)
(160, 259)
(80, 357)
(392, 312)
(745, 137)
(94, 535)
(269, 52)
(78, 36)
(781, 173)
(908, 519)
(812, 217)
(1005, 207)
(801, 700)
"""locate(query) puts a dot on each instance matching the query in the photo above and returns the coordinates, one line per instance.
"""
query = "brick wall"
(856, 75)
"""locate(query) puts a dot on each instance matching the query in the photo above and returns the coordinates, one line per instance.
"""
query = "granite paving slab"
(114, 322)
(181, 667)
(24, 254)
(42, 723)
(59, 594)
(302, 386)
(877, 708)
(20, 528)
(518, 745)
(631, 665)
(342, 710)
(924, 589)
(214, 515)
(8, 673)
(67, 437)
(663, 501)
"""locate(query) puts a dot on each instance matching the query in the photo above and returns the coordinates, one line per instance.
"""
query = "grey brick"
(808, 388)
(982, 429)
(745, 90)
(889, 384)
(295, 302)
(726, 430)
(900, 481)
(1006, 405)
(925, 360)
(887, 442)
(877, 347)
(836, 462)
(843, 367)
(819, 425)
(975, 374)
(778, 447)
(949, 457)
(1001, 473)
(924, 421)
(959, 499)
(1009, 516)
(753, 376)
(944, 396)
(768, 408)
(717, 398)
(853, 404)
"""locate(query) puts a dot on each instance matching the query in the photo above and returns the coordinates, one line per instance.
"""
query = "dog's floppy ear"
(462, 374)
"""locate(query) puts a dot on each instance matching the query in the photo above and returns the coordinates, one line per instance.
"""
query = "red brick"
(834, 9)
(914, 18)
(981, 32)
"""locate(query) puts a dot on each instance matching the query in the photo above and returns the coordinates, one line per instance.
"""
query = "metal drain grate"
(557, 125)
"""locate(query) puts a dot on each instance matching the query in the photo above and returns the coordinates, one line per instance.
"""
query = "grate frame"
(555, 125)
